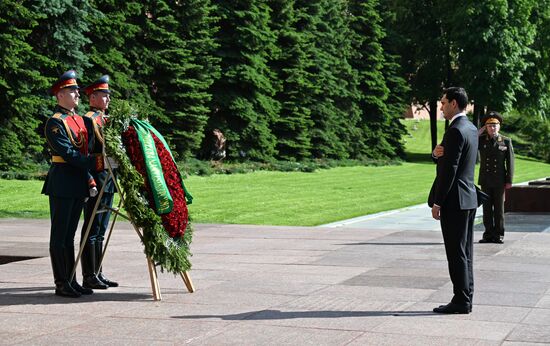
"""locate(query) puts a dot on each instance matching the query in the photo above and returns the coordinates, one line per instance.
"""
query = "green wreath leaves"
(171, 254)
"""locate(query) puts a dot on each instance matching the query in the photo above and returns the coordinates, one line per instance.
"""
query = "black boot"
(98, 255)
(88, 261)
(69, 264)
(62, 286)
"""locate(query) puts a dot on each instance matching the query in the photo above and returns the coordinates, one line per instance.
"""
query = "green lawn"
(277, 198)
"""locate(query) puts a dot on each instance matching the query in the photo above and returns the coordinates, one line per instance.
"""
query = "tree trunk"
(478, 114)
(433, 121)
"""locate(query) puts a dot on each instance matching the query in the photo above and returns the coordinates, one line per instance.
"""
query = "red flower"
(174, 222)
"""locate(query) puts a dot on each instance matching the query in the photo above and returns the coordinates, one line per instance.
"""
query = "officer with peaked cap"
(99, 95)
(495, 175)
(70, 138)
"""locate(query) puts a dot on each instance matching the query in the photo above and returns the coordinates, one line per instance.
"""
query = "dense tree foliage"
(282, 79)
(21, 83)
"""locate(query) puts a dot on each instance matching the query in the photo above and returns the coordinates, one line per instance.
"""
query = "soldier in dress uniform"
(495, 175)
(70, 139)
(99, 95)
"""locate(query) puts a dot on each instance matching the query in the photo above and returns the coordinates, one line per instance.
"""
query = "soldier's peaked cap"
(66, 80)
(101, 84)
(491, 118)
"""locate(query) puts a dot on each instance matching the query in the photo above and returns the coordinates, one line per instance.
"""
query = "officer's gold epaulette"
(57, 115)
(90, 114)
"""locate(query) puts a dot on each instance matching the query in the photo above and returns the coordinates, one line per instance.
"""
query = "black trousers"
(493, 212)
(458, 227)
(64, 216)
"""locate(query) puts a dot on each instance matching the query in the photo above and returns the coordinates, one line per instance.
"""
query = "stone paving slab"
(264, 285)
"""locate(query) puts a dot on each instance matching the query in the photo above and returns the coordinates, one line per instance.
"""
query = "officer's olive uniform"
(496, 170)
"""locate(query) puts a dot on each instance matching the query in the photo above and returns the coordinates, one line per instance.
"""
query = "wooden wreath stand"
(111, 164)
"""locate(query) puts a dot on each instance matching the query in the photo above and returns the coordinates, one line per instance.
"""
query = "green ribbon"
(161, 194)
(146, 128)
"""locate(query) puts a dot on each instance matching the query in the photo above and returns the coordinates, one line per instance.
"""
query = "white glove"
(93, 191)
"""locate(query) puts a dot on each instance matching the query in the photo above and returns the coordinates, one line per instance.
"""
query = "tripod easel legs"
(187, 281)
(154, 279)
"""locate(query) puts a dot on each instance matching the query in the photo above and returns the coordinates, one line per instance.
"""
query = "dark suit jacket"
(453, 187)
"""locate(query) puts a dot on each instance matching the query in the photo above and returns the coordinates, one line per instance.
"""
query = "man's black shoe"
(80, 289)
(107, 281)
(498, 241)
(66, 290)
(485, 240)
(94, 282)
(453, 308)
(470, 309)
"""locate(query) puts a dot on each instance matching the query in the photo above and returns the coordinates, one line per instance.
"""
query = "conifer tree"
(117, 49)
(60, 33)
(333, 104)
(187, 90)
(21, 83)
(369, 61)
(243, 104)
(294, 85)
(396, 103)
(399, 96)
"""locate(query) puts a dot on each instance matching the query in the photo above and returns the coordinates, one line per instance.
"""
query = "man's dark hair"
(458, 94)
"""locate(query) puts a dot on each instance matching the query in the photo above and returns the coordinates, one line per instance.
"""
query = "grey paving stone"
(396, 281)
(530, 333)
(342, 303)
(144, 329)
(538, 317)
(277, 286)
(487, 313)
(35, 324)
(492, 298)
(447, 326)
(529, 287)
(544, 302)
(375, 293)
(352, 258)
(242, 333)
(387, 339)
(427, 273)
(71, 340)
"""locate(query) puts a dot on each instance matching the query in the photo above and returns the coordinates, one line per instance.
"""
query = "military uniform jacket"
(69, 173)
(100, 175)
(497, 161)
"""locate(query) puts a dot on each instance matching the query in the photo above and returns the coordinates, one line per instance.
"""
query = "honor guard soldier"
(68, 183)
(495, 175)
(99, 95)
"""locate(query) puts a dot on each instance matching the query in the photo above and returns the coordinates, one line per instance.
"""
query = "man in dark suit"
(69, 182)
(453, 197)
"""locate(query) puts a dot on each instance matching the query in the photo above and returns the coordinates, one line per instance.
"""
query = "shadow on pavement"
(284, 315)
(391, 244)
(45, 295)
